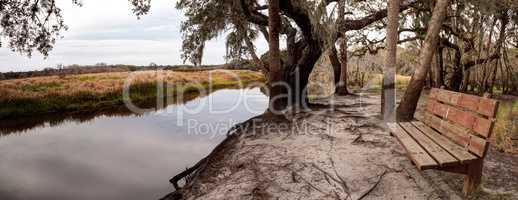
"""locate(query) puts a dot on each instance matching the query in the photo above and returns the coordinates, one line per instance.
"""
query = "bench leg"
(473, 177)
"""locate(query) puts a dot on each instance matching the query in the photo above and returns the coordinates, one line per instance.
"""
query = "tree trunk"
(409, 102)
(335, 62)
(389, 70)
(488, 47)
(297, 76)
(251, 49)
(465, 83)
(491, 85)
(429, 79)
(277, 99)
(439, 73)
(456, 79)
(341, 88)
(504, 20)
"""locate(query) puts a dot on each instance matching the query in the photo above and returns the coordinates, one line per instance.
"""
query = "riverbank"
(87, 92)
(331, 153)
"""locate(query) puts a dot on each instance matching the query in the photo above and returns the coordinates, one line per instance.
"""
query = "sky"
(109, 32)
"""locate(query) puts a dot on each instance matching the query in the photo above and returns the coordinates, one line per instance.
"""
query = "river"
(116, 155)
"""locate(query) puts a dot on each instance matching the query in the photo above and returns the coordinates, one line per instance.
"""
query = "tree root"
(373, 186)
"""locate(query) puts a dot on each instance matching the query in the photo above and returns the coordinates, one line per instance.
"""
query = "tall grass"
(505, 134)
(76, 93)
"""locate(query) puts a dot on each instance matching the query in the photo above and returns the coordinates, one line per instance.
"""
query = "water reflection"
(116, 155)
(20, 125)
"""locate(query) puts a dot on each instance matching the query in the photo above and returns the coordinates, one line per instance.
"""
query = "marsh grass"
(87, 92)
(41, 87)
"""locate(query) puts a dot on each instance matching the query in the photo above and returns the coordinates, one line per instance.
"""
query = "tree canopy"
(31, 24)
(476, 31)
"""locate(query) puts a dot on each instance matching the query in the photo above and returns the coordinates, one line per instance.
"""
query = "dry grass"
(505, 137)
(87, 91)
(374, 82)
(401, 80)
(41, 87)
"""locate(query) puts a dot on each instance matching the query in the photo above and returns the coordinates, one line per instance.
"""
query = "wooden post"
(473, 177)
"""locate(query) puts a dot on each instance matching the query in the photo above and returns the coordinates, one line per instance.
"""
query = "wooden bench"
(452, 135)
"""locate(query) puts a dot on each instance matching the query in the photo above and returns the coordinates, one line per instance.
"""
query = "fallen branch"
(185, 173)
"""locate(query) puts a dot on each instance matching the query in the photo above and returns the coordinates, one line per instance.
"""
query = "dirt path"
(340, 153)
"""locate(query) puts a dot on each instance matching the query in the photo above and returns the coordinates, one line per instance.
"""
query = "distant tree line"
(62, 70)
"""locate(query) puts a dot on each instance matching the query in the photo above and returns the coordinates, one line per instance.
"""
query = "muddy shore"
(337, 151)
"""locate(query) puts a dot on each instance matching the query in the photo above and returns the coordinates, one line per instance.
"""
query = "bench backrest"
(467, 120)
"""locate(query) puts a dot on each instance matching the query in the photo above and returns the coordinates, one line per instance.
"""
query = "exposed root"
(366, 193)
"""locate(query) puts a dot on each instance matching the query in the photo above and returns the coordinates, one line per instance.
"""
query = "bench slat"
(459, 135)
(445, 96)
(480, 105)
(454, 149)
(418, 155)
(456, 136)
(466, 119)
(436, 151)
(478, 146)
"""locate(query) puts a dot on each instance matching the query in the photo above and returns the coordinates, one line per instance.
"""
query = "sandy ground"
(333, 153)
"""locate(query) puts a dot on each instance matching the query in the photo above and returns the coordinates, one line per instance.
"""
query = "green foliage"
(140, 7)
(205, 21)
(42, 87)
(88, 78)
(208, 19)
(31, 24)
(515, 107)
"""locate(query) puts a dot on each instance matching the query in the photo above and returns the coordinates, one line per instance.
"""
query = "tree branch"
(358, 24)
(467, 65)
(253, 16)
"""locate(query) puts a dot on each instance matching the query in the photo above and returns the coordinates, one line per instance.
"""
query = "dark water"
(116, 156)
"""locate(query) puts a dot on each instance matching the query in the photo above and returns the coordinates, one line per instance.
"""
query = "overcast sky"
(108, 31)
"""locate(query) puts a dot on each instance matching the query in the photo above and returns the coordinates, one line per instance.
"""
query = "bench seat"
(427, 148)
(452, 134)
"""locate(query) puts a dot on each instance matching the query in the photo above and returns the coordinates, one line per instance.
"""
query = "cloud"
(108, 31)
